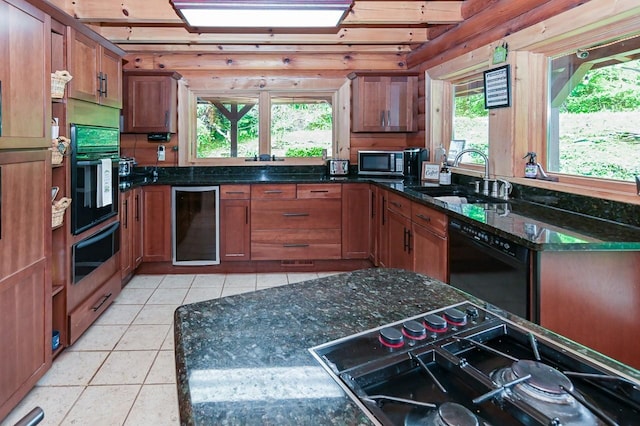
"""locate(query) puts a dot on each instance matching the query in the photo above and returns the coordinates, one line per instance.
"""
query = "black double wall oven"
(95, 154)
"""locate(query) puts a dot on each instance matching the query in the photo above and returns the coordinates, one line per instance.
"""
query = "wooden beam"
(225, 61)
(138, 35)
(503, 18)
(333, 49)
(363, 12)
(404, 12)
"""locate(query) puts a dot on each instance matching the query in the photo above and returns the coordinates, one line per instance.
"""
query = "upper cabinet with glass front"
(96, 71)
(24, 76)
(384, 102)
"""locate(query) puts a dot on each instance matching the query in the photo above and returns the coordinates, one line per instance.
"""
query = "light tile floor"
(122, 371)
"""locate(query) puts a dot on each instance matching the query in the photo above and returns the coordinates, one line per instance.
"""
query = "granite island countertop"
(534, 225)
(244, 359)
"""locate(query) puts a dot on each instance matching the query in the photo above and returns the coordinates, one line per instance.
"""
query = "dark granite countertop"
(537, 226)
(244, 359)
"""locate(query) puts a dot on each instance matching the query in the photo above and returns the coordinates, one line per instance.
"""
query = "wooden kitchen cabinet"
(25, 276)
(384, 102)
(96, 71)
(356, 221)
(156, 223)
(130, 231)
(592, 297)
(150, 101)
(235, 223)
(296, 222)
(430, 243)
(25, 83)
(382, 228)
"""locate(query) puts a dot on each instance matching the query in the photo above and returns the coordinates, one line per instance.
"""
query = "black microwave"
(381, 163)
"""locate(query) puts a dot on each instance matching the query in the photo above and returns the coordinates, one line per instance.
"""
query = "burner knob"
(435, 323)
(391, 338)
(414, 330)
(455, 316)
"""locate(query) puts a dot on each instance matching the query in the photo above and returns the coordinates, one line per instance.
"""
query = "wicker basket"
(59, 80)
(57, 211)
(59, 147)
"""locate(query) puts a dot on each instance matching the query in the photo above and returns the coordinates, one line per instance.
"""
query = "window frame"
(189, 98)
(524, 124)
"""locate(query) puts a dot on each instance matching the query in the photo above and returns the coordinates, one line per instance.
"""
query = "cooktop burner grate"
(478, 368)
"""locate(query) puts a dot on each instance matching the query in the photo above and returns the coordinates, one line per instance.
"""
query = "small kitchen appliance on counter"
(469, 365)
(381, 163)
(413, 158)
(125, 166)
(338, 167)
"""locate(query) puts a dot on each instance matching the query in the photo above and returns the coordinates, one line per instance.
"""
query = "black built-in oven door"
(93, 251)
(489, 273)
(95, 157)
(87, 209)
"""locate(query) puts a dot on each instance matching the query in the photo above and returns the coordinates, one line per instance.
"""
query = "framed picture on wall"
(430, 172)
(497, 93)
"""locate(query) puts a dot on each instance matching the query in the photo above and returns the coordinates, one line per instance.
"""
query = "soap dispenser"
(531, 168)
(445, 173)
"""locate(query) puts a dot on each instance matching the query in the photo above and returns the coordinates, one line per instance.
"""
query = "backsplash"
(591, 206)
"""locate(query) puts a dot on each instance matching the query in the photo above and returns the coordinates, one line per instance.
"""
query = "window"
(594, 105)
(295, 125)
(470, 118)
(301, 127)
(227, 127)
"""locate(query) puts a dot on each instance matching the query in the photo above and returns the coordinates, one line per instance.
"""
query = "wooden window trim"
(596, 21)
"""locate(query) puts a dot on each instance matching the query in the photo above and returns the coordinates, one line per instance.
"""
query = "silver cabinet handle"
(273, 191)
(295, 214)
(295, 245)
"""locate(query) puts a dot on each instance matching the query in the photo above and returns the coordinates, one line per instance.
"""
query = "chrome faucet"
(456, 161)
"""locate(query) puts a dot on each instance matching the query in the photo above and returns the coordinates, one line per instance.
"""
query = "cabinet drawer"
(296, 244)
(332, 190)
(88, 311)
(399, 204)
(429, 218)
(271, 191)
(235, 192)
(296, 214)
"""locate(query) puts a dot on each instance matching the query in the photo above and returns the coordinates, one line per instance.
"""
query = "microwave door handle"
(104, 234)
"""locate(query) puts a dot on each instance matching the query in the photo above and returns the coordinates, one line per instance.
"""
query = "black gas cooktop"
(467, 365)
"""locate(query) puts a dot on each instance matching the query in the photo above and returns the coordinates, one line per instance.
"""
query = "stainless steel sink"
(448, 191)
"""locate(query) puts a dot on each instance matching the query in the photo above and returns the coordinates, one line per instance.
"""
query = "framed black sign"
(497, 90)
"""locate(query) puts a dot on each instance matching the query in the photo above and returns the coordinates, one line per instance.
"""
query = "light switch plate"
(161, 153)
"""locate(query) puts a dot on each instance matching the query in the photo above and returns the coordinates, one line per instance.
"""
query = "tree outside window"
(470, 118)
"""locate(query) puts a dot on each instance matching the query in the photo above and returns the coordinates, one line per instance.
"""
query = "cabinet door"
(235, 226)
(136, 229)
(430, 253)
(400, 244)
(369, 104)
(83, 63)
(25, 278)
(156, 223)
(401, 96)
(383, 228)
(111, 68)
(150, 104)
(356, 219)
(25, 83)
(126, 254)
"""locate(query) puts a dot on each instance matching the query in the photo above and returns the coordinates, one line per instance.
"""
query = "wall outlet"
(161, 153)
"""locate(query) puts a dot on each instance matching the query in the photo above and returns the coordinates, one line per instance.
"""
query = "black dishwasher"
(491, 268)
